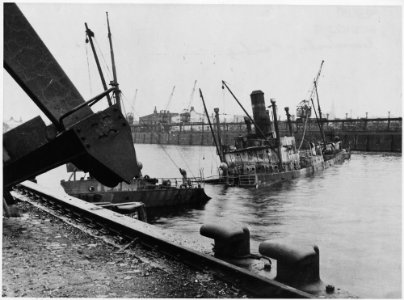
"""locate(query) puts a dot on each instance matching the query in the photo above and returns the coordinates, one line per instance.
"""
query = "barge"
(152, 192)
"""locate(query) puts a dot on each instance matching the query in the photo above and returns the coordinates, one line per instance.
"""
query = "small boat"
(264, 158)
(142, 191)
(152, 192)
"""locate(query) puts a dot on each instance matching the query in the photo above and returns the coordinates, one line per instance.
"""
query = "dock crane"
(191, 98)
(315, 81)
(170, 97)
(303, 109)
(134, 99)
(315, 90)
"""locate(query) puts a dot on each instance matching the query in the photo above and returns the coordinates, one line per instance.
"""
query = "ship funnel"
(260, 114)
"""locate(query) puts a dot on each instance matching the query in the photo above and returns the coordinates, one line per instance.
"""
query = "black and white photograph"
(202, 149)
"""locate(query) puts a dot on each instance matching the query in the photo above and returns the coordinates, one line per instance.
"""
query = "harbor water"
(351, 211)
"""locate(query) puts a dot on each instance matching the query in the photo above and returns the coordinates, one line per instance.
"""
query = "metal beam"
(34, 68)
(100, 144)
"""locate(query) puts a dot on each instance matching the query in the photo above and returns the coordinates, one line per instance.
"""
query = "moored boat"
(152, 192)
(127, 197)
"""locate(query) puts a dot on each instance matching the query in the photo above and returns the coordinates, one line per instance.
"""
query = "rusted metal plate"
(71, 168)
(25, 138)
(110, 153)
(41, 159)
(34, 68)
(100, 144)
(97, 143)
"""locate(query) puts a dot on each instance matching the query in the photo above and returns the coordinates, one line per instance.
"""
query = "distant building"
(186, 117)
(162, 117)
(232, 119)
(191, 116)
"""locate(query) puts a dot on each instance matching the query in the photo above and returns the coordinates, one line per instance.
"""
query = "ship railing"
(305, 153)
(261, 168)
(242, 180)
(189, 182)
(247, 180)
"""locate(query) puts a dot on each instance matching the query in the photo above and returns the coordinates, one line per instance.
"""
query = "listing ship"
(264, 158)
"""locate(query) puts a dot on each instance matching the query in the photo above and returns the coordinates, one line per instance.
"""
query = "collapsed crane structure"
(99, 143)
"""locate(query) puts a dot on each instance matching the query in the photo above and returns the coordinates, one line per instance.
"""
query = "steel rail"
(149, 235)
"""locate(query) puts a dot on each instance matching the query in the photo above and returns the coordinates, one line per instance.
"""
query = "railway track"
(125, 230)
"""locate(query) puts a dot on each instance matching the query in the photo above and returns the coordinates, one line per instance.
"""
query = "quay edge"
(254, 284)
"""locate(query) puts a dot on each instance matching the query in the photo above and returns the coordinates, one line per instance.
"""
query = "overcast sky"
(277, 49)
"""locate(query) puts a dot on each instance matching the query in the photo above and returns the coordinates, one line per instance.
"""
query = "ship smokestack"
(260, 115)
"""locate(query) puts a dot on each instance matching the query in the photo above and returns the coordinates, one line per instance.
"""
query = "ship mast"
(318, 102)
(219, 136)
(115, 81)
(289, 122)
(90, 36)
(278, 138)
(211, 128)
(319, 113)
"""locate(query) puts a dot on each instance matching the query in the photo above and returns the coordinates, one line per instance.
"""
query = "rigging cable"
(223, 100)
(127, 99)
(134, 101)
(176, 148)
(188, 109)
(89, 73)
(165, 151)
(103, 59)
(172, 160)
(185, 162)
(311, 97)
(123, 109)
(304, 132)
(191, 98)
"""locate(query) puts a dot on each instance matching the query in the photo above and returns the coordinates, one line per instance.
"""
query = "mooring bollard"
(297, 265)
(232, 240)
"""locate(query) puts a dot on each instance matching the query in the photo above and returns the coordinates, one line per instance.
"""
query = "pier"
(378, 135)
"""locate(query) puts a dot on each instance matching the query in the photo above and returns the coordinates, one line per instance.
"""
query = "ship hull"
(267, 179)
(155, 197)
